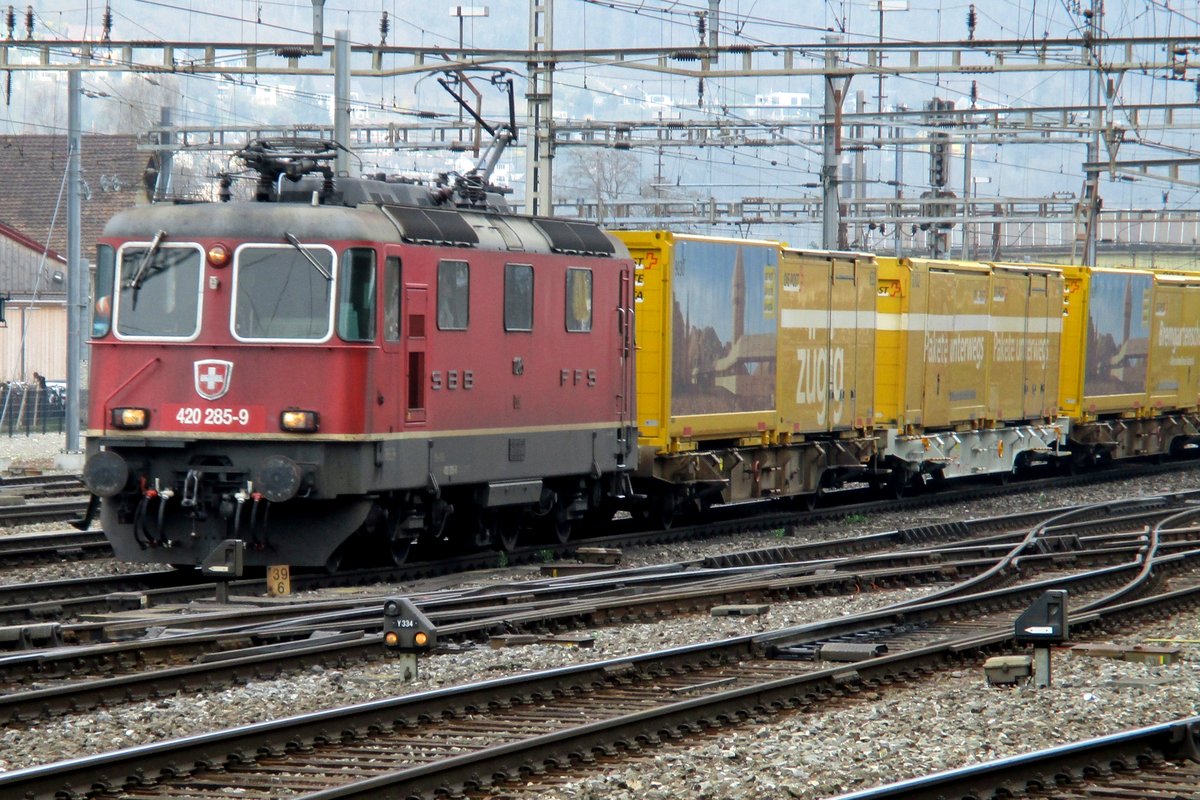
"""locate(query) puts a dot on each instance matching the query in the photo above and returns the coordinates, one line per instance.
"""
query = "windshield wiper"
(135, 283)
(304, 252)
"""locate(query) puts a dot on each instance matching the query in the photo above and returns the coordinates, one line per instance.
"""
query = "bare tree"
(136, 102)
(605, 175)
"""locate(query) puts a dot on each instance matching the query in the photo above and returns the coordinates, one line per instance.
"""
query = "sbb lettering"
(451, 379)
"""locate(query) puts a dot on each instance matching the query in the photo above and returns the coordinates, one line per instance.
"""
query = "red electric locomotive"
(345, 361)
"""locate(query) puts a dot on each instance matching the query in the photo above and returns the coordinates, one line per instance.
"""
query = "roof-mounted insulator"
(384, 26)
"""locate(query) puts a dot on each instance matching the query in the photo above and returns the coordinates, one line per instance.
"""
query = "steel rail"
(147, 762)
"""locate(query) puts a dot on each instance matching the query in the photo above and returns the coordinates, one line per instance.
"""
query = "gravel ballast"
(948, 720)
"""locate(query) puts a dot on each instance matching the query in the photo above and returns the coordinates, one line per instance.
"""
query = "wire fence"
(29, 408)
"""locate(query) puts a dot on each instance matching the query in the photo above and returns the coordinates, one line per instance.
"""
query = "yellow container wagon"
(966, 367)
(728, 333)
(1129, 373)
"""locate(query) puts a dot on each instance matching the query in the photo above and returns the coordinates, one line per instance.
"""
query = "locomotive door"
(403, 346)
(388, 372)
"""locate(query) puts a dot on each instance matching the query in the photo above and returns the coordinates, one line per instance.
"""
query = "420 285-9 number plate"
(214, 418)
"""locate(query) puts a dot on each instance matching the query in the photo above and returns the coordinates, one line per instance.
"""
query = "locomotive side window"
(518, 297)
(391, 299)
(579, 300)
(454, 294)
(282, 292)
(356, 296)
(159, 291)
(102, 291)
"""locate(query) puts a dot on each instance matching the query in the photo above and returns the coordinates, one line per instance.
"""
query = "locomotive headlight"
(218, 255)
(130, 419)
(299, 421)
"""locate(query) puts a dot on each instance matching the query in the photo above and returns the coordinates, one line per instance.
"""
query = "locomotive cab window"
(579, 300)
(454, 295)
(518, 297)
(356, 296)
(283, 292)
(159, 290)
(102, 290)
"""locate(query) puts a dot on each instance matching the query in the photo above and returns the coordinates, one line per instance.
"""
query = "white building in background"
(781, 105)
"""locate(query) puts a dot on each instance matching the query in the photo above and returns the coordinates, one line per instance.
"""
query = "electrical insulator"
(701, 24)
(384, 26)
(28, 22)
(972, 17)
(10, 20)
(937, 164)
(107, 21)
(974, 92)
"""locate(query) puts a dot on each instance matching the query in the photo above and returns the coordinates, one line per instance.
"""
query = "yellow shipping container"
(1106, 342)
(966, 366)
(826, 341)
(1175, 331)
(707, 330)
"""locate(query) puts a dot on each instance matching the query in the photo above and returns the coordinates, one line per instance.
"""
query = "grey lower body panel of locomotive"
(292, 501)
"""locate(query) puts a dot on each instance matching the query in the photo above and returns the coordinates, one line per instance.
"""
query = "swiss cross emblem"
(213, 377)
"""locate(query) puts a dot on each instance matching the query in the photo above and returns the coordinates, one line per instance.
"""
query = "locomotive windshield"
(160, 291)
(280, 294)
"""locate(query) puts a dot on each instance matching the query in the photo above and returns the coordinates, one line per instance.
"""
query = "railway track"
(214, 646)
(569, 716)
(40, 548)
(1159, 761)
(55, 547)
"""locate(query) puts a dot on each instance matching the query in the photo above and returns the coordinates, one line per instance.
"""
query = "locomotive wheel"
(560, 526)
(399, 550)
(508, 534)
(659, 511)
